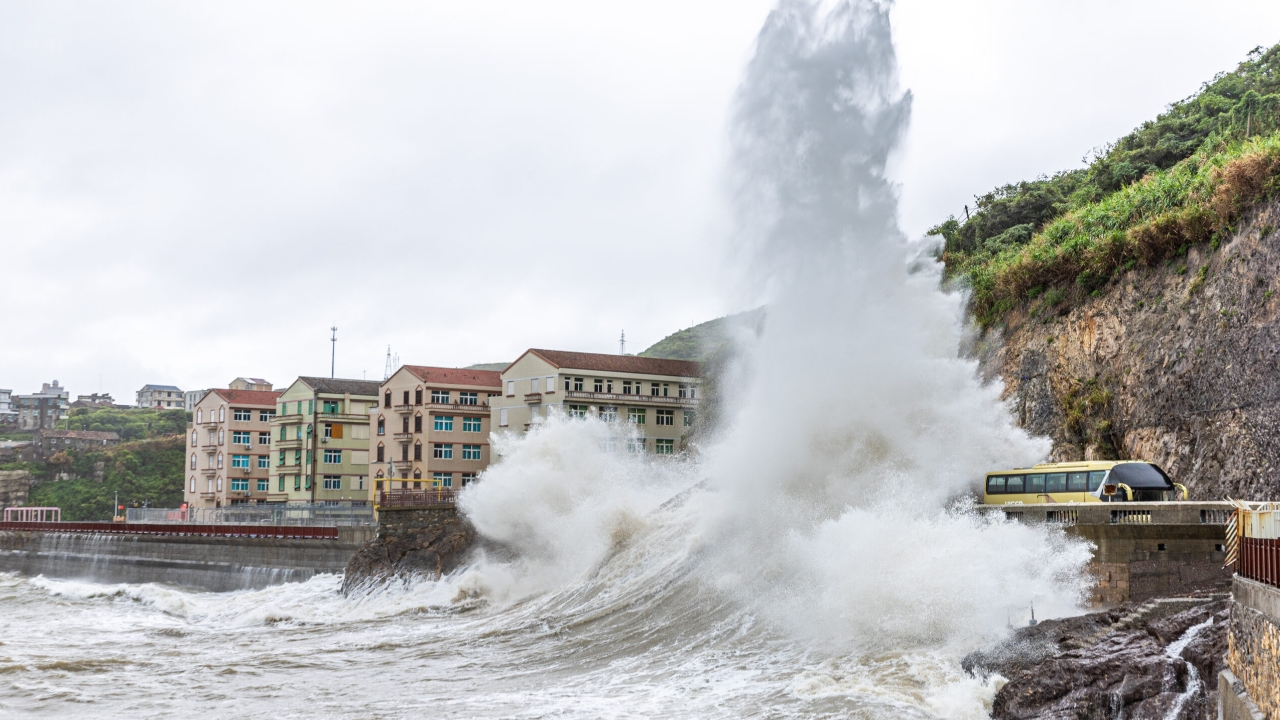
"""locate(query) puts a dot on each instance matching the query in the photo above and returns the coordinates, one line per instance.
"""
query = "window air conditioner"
(324, 439)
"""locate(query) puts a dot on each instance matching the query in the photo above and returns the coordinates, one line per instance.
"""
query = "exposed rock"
(1178, 364)
(1165, 668)
(14, 487)
(411, 543)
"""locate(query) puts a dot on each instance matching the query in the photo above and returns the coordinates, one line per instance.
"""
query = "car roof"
(1065, 467)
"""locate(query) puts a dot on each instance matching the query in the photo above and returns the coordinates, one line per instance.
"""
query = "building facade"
(320, 440)
(161, 397)
(8, 415)
(229, 449)
(94, 400)
(657, 397)
(432, 428)
(243, 383)
(47, 442)
(42, 410)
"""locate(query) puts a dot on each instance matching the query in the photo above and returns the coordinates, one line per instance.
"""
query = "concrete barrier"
(203, 563)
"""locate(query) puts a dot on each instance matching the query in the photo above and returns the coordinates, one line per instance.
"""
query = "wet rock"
(1164, 668)
(410, 544)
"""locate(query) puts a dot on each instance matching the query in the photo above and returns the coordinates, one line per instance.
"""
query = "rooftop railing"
(417, 498)
(280, 514)
(1120, 513)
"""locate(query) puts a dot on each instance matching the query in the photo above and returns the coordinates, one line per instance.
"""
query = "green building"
(320, 441)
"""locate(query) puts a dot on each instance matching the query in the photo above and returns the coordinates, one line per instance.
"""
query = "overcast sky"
(195, 191)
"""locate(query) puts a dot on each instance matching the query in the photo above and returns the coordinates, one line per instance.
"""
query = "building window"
(577, 384)
(442, 451)
(534, 384)
(193, 461)
(578, 411)
(442, 479)
(332, 457)
(199, 415)
(306, 485)
(266, 415)
(264, 461)
(468, 398)
(241, 437)
(470, 452)
(502, 417)
(193, 485)
(599, 385)
(382, 426)
(635, 416)
(386, 399)
(444, 423)
(664, 447)
(297, 457)
(653, 388)
(635, 445)
(240, 461)
(665, 417)
(195, 436)
(417, 423)
(239, 484)
(470, 424)
(263, 485)
(404, 453)
(417, 451)
(241, 415)
(222, 435)
(332, 406)
(219, 461)
(511, 388)
(332, 482)
(281, 457)
(297, 482)
(264, 438)
(381, 452)
(440, 397)
(609, 413)
(688, 418)
(222, 413)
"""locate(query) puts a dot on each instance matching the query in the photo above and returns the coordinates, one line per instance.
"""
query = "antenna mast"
(390, 366)
(333, 356)
(622, 343)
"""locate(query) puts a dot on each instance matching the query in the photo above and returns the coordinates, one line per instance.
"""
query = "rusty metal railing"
(244, 531)
(1253, 541)
(417, 498)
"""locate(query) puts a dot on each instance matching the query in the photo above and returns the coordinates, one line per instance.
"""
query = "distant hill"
(499, 366)
(701, 341)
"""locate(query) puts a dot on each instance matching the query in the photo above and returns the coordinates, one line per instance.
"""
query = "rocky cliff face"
(410, 543)
(14, 487)
(1178, 364)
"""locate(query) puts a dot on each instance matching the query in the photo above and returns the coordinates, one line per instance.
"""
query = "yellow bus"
(1097, 481)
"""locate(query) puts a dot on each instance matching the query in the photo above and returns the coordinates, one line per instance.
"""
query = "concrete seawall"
(203, 563)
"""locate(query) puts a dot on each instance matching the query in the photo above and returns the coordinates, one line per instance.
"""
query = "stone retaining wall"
(1253, 649)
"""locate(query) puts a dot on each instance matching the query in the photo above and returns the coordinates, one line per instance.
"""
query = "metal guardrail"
(260, 514)
(1259, 560)
(417, 498)
(1119, 513)
(188, 530)
(1253, 541)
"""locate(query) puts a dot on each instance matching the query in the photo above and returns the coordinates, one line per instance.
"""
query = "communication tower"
(393, 361)
(333, 355)
(622, 343)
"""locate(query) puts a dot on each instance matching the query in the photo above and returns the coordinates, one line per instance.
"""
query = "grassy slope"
(148, 471)
(1175, 181)
(700, 341)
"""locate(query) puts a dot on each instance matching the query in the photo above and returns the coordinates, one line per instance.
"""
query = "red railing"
(249, 531)
(1259, 560)
(417, 498)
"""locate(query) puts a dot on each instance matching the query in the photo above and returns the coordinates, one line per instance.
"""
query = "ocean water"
(811, 558)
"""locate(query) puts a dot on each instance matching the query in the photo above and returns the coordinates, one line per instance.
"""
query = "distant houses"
(43, 409)
(161, 397)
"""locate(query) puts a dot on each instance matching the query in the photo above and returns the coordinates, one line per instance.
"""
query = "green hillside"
(144, 471)
(701, 341)
(498, 366)
(1176, 181)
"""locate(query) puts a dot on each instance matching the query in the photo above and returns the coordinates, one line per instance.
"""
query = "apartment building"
(44, 409)
(244, 383)
(320, 440)
(432, 430)
(657, 396)
(48, 442)
(8, 415)
(162, 397)
(229, 449)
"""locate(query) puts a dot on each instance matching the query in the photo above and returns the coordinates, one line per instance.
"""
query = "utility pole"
(333, 356)
(622, 343)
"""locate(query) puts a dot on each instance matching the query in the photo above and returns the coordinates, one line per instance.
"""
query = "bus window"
(1077, 482)
(1095, 479)
(1055, 482)
(995, 484)
(1013, 484)
(1035, 483)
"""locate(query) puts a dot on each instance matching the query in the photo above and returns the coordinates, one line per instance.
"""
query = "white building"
(163, 397)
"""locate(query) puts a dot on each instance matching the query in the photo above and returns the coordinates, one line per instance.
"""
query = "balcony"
(406, 409)
(533, 398)
(210, 449)
(342, 417)
(290, 444)
(286, 419)
(209, 472)
(621, 399)
(417, 498)
(402, 467)
(439, 408)
(404, 437)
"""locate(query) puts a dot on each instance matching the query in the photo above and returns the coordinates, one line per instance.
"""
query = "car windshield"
(1141, 476)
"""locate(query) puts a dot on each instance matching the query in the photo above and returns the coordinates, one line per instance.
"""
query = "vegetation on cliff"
(703, 340)
(130, 423)
(1176, 181)
(143, 471)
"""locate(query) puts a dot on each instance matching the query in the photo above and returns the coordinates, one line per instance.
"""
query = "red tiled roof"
(249, 397)
(456, 376)
(618, 363)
